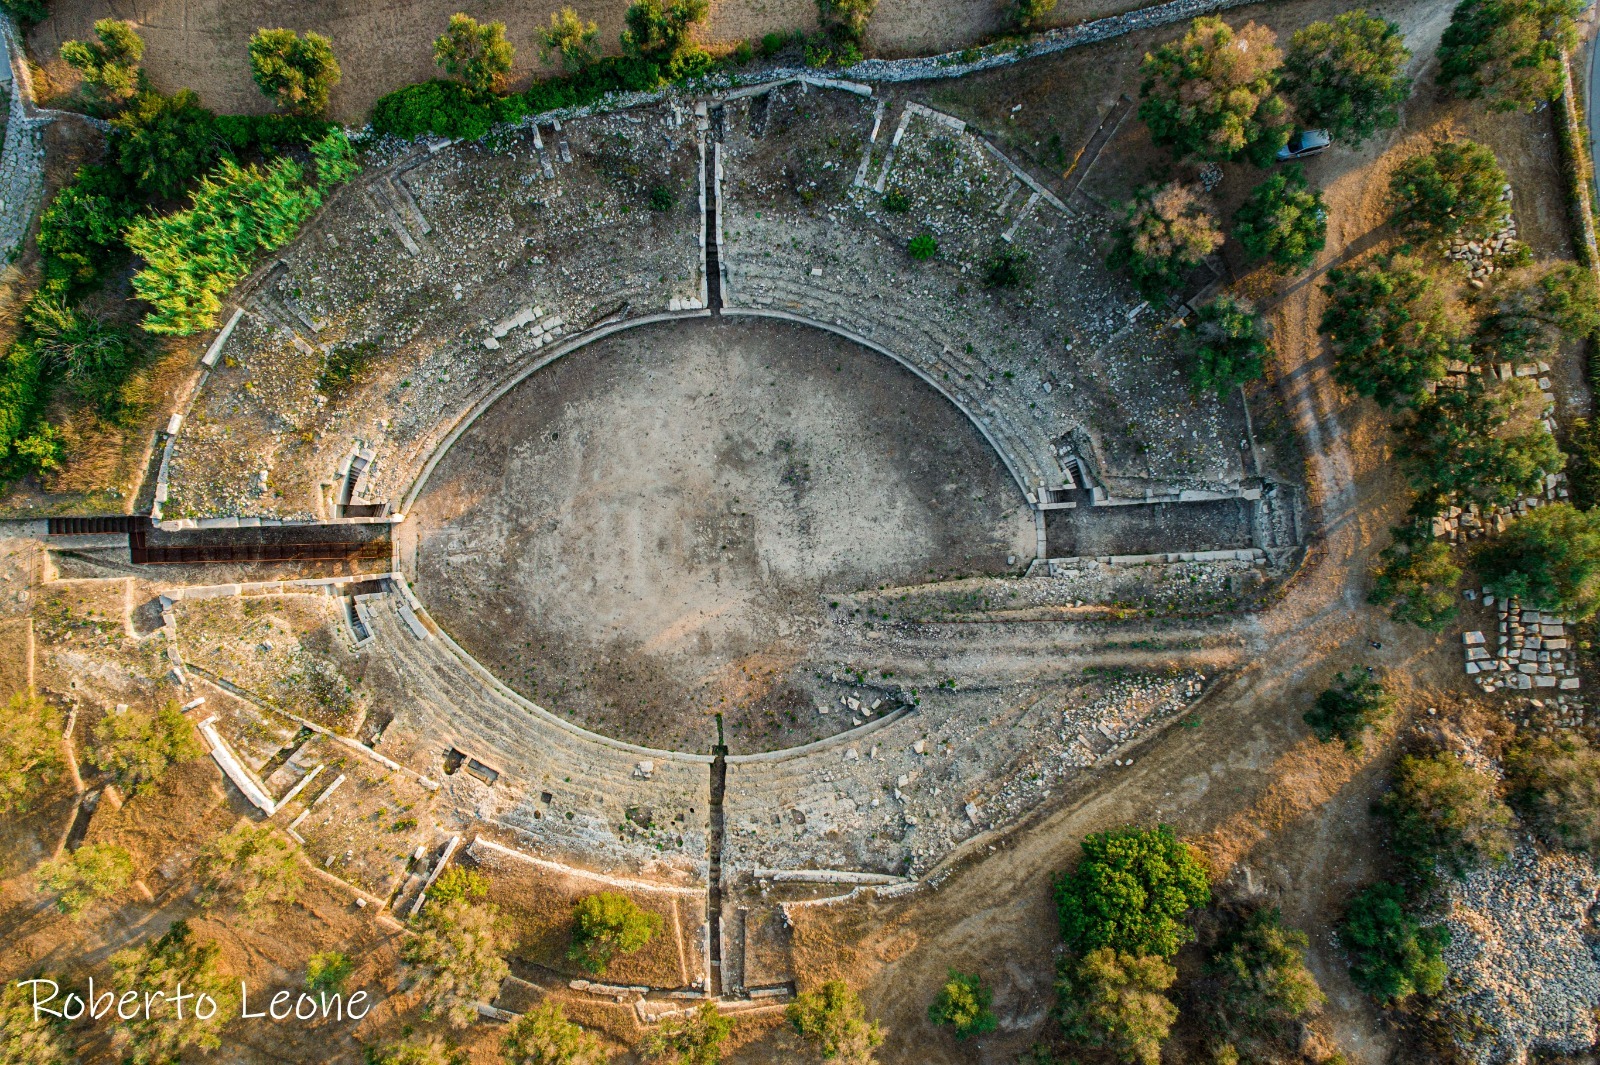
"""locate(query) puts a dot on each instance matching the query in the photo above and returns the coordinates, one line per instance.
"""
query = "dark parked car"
(1305, 143)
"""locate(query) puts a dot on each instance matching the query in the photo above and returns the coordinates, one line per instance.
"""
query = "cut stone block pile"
(1533, 651)
(1480, 256)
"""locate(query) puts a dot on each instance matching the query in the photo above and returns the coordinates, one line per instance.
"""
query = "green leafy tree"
(164, 142)
(1029, 15)
(544, 1036)
(607, 924)
(1283, 221)
(250, 867)
(296, 73)
(335, 158)
(457, 955)
(695, 1039)
(1583, 462)
(80, 231)
(1228, 346)
(572, 39)
(25, 1040)
(478, 54)
(137, 747)
(329, 971)
(662, 27)
(1212, 94)
(1453, 190)
(1549, 558)
(1347, 76)
(1131, 891)
(1392, 957)
(1508, 52)
(1555, 786)
(110, 63)
(845, 21)
(1393, 330)
(158, 967)
(92, 873)
(963, 1004)
(1166, 231)
(457, 882)
(1117, 1001)
(833, 1020)
(429, 1051)
(1471, 444)
(1527, 313)
(1355, 703)
(30, 751)
(1416, 578)
(1264, 986)
(1443, 813)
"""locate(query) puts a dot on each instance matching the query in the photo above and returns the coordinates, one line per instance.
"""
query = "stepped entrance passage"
(648, 531)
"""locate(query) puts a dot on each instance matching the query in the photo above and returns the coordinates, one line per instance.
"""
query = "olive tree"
(92, 873)
(250, 867)
(1212, 94)
(833, 1020)
(1347, 76)
(1283, 221)
(544, 1036)
(457, 958)
(296, 73)
(477, 53)
(137, 747)
(1166, 231)
(30, 750)
(1508, 52)
(1117, 1001)
(607, 924)
(110, 62)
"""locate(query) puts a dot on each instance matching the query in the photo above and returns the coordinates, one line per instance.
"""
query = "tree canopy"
(1476, 443)
(695, 1039)
(607, 924)
(1355, 702)
(544, 1036)
(1555, 786)
(571, 38)
(1446, 815)
(1211, 95)
(1228, 346)
(1549, 558)
(178, 956)
(457, 955)
(1392, 957)
(30, 750)
(832, 1019)
(93, 872)
(1416, 578)
(1508, 52)
(1131, 891)
(1117, 1001)
(1283, 221)
(109, 63)
(1347, 76)
(661, 27)
(477, 53)
(1263, 985)
(164, 142)
(250, 867)
(963, 1004)
(296, 73)
(1393, 329)
(137, 746)
(1167, 230)
(1456, 189)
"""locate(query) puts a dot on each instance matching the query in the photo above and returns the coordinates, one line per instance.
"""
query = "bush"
(457, 883)
(28, 13)
(1529, 312)
(109, 64)
(346, 365)
(478, 54)
(572, 39)
(1211, 95)
(963, 1004)
(833, 1020)
(1549, 558)
(80, 232)
(268, 135)
(1029, 15)
(544, 1036)
(662, 199)
(607, 924)
(1417, 580)
(922, 247)
(30, 751)
(1345, 711)
(296, 73)
(1166, 232)
(896, 202)
(1283, 222)
(1227, 345)
(164, 142)
(1393, 330)
(845, 21)
(1583, 462)
(457, 956)
(157, 968)
(26, 1039)
(1391, 956)
(1117, 1001)
(1264, 985)
(1452, 191)
(250, 867)
(335, 157)
(1007, 268)
(1130, 891)
(1508, 52)
(1554, 784)
(1348, 75)
(441, 108)
(93, 872)
(328, 971)
(1446, 814)
(21, 397)
(137, 747)
(693, 1040)
(92, 355)
(1477, 443)
(661, 27)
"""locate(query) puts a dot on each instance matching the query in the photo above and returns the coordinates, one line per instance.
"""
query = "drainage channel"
(719, 784)
(713, 256)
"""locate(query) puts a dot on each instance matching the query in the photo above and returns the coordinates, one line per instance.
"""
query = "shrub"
(156, 968)
(544, 1036)
(1227, 345)
(442, 108)
(457, 883)
(457, 955)
(92, 355)
(1469, 443)
(1583, 462)
(1354, 704)
(296, 73)
(137, 747)
(30, 751)
(572, 39)
(1417, 579)
(1029, 15)
(833, 1020)
(1549, 558)
(478, 54)
(1393, 330)
(80, 232)
(693, 1040)
(1444, 813)
(896, 202)
(335, 158)
(28, 13)
(963, 1004)
(250, 866)
(110, 63)
(662, 199)
(607, 924)
(164, 142)
(1508, 52)
(1130, 892)
(429, 1051)
(1554, 784)
(922, 247)
(1452, 191)
(1211, 95)
(1264, 985)
(1007, 268)
(1283, 221)
(93, 872)
(661, 27)
(346, 365)
(1391, 956)
(845, 21)
(328, 971)
(1166, 232)
(26, 1039)
(1528, 312)
(267, 135)
(1348, 75)
(1117, 1001)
